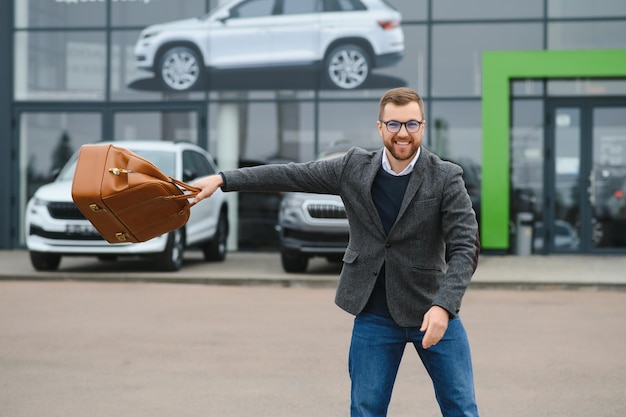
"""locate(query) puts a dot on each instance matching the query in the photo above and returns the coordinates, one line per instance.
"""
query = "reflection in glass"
(458, 50)
(412, 10)
(608, 177)
(455, 134)
(586, 9)
(167, 125)
(455, 130)
(567, 179)
(60, 65)
(586, 87)
(527, 165)
(346, 124)
(279, 130)
(59, 13)
(47, 141)
(487, 9)
(527, 87)
(133, 13)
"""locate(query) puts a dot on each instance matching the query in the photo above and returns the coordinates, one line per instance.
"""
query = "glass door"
(585, 180)
(607, 180)
(562, 231)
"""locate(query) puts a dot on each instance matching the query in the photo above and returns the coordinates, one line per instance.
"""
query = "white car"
(345, 39)
(54, 227)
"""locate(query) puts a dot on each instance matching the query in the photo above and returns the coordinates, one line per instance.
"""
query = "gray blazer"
(436, 213)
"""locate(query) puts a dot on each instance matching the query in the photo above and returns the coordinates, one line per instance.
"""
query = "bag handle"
(192, 191)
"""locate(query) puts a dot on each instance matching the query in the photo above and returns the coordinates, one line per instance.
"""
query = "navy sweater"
(387, 193)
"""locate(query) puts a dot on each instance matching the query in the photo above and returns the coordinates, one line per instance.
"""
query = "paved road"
(116, 339)
(76, 349)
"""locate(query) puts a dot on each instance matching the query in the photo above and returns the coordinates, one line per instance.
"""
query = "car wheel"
(215, 250)
(42, 261)
(180, 68)
(347, 66)
(293, 261)
(171, 259)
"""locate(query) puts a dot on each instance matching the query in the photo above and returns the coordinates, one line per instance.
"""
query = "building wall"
(72, 79)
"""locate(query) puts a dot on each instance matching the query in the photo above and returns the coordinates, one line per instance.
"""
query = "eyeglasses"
(394, 126)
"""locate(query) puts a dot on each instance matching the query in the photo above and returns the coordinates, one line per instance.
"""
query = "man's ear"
(379, 125)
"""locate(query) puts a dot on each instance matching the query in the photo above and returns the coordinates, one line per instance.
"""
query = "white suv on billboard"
(54, 227)
(344, 38)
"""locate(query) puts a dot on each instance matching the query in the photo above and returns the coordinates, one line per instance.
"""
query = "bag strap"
(191, 190)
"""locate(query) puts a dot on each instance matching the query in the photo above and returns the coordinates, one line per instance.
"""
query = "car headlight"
(291, 206)
(39, 202)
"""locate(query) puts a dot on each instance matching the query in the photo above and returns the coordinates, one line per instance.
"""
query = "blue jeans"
(375, 353)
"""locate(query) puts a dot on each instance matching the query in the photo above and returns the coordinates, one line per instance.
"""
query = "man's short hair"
(400, 96)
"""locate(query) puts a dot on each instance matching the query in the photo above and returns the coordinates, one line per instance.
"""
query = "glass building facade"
(71, 76)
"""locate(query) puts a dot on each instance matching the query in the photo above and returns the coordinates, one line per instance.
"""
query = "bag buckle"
(118, 171)
(122, 237)
(96, 208)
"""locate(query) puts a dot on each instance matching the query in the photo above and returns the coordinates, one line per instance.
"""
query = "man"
(412, 252)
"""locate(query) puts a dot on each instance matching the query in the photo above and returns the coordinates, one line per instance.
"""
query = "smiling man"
(412, 252)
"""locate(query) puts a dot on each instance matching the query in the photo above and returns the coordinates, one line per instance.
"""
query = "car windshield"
(164, 160)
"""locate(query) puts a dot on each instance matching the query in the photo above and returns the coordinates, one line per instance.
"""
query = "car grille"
(326, 211)
(61, 210)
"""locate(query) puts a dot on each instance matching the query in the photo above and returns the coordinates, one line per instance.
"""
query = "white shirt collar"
(405, 171)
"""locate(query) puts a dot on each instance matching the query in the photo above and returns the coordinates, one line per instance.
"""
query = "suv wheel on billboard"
(180, 68)
(347, 66)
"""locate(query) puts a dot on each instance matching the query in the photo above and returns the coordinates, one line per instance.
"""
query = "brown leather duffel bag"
(126, 197)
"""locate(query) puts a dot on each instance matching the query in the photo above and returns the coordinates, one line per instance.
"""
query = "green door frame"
(499, 68)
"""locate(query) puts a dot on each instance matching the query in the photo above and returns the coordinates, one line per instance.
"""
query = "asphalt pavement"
(104, 339)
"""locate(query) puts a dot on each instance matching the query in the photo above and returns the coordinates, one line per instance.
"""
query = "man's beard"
(393, 153)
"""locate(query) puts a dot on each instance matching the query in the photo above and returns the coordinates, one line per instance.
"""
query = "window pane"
(586, 87)
(528, 87)
(156, 126)
(133, 13)
(527, 158)
(411, 9)
(279, 130)
(345, 124)
(586, 35)
(455, 130)
(59, 13)
(601, 8)
(47, 140)
(60, 66)
(458, 49)
(487, 9)
(455, 134)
